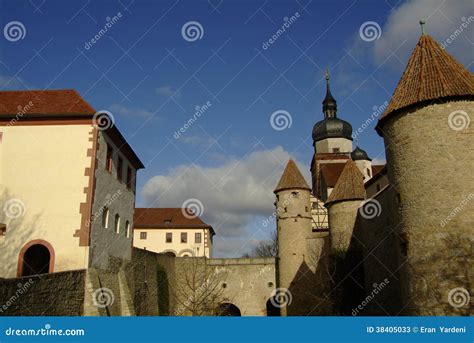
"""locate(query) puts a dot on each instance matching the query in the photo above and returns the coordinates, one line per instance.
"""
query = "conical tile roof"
(431, 74)
(350, 185)
(291, 178)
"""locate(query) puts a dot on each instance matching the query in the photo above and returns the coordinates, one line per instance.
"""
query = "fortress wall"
(430, 162)
(379, 240)
(58, 294)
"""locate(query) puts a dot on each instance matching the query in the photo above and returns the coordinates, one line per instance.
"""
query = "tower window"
(368, 172)
(378, 187)
(109, 159)
(129, 178)
(120, 169)
(117, 223)
(105, 218)
(127, 229)
(336, 150)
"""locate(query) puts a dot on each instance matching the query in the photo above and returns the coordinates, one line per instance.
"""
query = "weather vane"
(422, 23)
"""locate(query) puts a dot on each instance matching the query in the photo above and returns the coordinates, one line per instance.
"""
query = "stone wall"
(119, 199)
(58, 294)
(377, 237)
(429, 163)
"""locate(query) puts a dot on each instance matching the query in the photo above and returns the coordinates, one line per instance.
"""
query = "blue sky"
(152, 79)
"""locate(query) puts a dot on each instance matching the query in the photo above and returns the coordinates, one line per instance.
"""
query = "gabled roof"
(291, 178)
(44, 102)
(330, 172)
(167, 218)
(431, 74)
(350, 185)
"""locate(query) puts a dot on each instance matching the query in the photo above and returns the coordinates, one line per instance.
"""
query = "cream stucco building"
(67, 184)
(172, 231)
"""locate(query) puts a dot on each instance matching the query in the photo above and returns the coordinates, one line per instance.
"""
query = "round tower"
(429, 149)
(343, 205)
(363, 162)
(293, 227)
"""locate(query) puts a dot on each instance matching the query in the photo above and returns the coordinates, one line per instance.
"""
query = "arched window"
(228, 310)
(127, 228)
(117, 223)
(105, 218)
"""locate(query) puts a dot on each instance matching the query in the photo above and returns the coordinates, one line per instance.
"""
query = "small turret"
(363, 162)
(343, 205)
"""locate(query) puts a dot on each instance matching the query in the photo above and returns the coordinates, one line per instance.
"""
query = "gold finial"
(327, 74)
(422, 24)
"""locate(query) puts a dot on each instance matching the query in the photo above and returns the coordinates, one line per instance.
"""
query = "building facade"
(172, 231)
(54, 185)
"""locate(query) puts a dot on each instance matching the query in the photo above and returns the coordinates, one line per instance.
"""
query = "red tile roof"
(291, 178)
(331, 172)
(350, 185)
(431, 74)
(377, 169)
(44, 102)
(159, 217)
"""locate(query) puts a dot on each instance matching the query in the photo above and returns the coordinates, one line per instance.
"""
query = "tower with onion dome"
(429, 144)
(332, 142)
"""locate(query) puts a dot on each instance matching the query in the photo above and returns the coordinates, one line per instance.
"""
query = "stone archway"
(36, 257)
(228, 310)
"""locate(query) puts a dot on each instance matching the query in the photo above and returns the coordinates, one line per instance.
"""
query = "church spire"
(329, 103)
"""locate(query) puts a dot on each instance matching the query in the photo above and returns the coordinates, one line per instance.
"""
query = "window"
(129, 178)
(120, 169)
(109, 159)
(368, 172)
(378, 187)
(142, 235)
(336, 150)
(117, 223)
(197, 237)
(167, 221)
(105, 218)
(127, 229)
(169, 237)
(184, 237)
(3, 229)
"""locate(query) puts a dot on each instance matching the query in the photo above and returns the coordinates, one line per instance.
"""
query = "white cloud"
(442, 19)
(129, 112)
(236, 195)
(168, 91)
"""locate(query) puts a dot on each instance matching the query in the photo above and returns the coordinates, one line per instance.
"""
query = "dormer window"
(168, 221)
